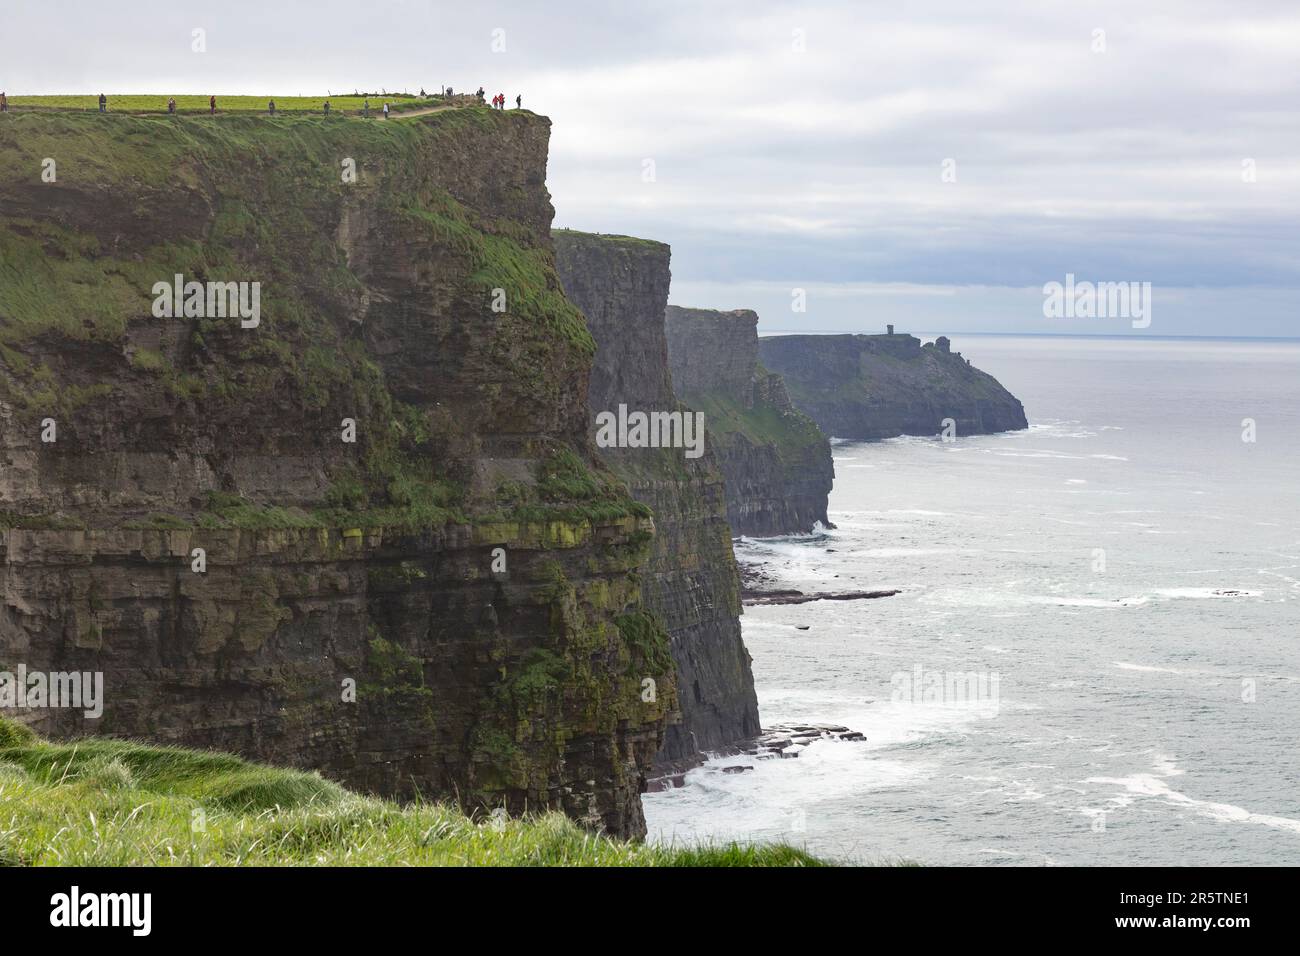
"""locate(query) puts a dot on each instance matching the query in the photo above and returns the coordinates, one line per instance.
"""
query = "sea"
(1094, 657)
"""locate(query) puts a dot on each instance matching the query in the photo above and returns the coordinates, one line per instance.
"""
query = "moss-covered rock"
(413, 393)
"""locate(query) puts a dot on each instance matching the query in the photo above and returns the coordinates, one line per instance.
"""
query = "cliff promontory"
(294, 451)
(691, 584)
(870, 387)
(776, 462)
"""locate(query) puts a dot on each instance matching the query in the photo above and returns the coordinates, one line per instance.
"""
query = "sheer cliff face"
(868, 387)
(621, 286)
(776, 463)
(366, 534)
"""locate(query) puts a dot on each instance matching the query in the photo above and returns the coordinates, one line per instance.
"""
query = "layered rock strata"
(776, 462)
(691, 584)
(353, 521)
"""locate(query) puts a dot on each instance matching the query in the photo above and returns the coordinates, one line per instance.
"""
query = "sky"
(836, 166)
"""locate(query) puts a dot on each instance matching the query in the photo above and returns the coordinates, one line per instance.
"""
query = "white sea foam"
(1154, 785)
(1012, 598)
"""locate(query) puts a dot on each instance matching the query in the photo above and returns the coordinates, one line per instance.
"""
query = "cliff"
(776, 462)
(868, 387)
(361, 531)
(691, 584)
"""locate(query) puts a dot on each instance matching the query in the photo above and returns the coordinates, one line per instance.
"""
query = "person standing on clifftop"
(327, 107)
(365, 108)
(519, 101)
(212, 105)
(171, 104)
(103, 103)
(385, 111)
(270, 107)
(4, 103)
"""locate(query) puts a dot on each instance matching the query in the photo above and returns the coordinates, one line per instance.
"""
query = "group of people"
(499, 101)
(171, 104)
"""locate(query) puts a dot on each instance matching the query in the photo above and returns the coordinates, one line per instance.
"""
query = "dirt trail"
(425, 111)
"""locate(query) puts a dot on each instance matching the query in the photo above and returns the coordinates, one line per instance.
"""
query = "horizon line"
(1045, 335)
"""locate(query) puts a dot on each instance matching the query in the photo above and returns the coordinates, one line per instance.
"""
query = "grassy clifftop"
(198, 103)
(118, 803)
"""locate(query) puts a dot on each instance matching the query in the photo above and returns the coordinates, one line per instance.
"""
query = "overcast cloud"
(801, 145)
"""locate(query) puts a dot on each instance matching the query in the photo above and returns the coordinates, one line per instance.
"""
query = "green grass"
(99, 802)
(198, 103)
(632, 243)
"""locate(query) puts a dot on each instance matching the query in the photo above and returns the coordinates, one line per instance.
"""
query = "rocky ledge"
(791, 596)
(792, 740)
(784, 742)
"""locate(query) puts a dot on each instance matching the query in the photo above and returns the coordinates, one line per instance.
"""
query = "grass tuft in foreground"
(100, 802)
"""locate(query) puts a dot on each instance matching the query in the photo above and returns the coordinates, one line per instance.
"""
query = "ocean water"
(1109, 601)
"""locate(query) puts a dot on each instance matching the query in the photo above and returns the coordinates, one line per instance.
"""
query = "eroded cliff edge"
(449, 604)
(692, 584)
(776, 462)
(869, 387)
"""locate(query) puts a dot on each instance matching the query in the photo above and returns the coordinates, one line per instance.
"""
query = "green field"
(101, 802)
(157, 103)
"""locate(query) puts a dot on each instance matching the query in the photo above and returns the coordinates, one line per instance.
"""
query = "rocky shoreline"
(756, 590)
(782, 742)
(792, 596)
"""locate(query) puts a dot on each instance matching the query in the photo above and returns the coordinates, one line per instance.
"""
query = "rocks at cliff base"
(776, 462)
(757, 589)
(781, 742)
(790, 741)
(870, 387)
(791, 596)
